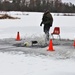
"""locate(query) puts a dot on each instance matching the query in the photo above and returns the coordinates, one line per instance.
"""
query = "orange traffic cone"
(74, 44)
(18, 37)
(50, 46)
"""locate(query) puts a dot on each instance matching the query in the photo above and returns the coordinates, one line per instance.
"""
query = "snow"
(36, 60)
(27, 24)
(21, 64)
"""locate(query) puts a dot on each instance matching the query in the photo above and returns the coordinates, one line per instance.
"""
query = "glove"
(41, 24)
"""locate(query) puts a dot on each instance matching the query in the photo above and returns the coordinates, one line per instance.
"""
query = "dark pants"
(46, 30)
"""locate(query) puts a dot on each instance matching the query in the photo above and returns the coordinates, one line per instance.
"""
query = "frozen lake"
(29, 25)
(36, 61)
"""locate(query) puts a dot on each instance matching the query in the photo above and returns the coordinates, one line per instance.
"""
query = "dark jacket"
(47, 19)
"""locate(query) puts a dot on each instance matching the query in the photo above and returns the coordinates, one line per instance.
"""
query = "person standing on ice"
(47, 20)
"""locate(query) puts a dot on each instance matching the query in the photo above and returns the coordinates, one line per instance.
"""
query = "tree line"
(37, 6)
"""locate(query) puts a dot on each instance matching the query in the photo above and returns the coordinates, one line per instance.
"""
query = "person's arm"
(42, 21)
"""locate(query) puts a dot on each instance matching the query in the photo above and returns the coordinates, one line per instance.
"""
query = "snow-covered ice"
(17, 63)
(16, 60)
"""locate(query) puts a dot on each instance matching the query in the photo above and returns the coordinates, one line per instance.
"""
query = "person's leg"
(47, 35)
(46, 31)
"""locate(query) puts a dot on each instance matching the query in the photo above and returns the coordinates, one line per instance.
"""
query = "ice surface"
(36, 60)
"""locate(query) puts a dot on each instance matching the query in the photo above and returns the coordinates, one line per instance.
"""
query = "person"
(47, 21)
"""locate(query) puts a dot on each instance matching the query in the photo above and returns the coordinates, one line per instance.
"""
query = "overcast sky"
(72, 1)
